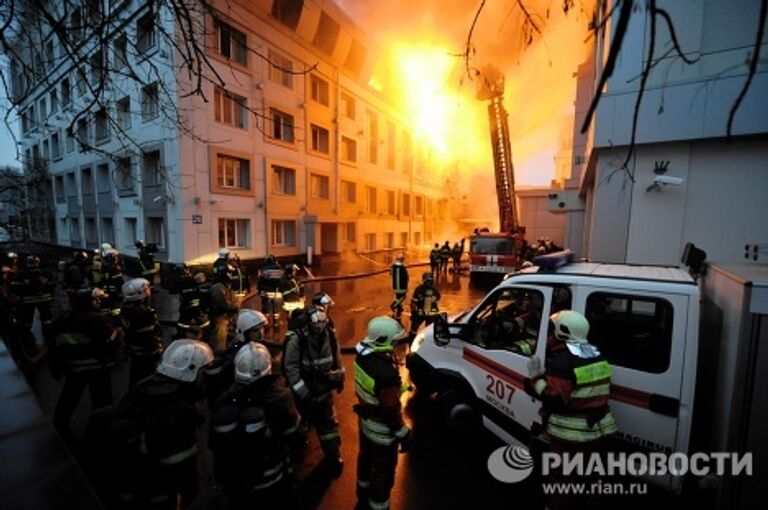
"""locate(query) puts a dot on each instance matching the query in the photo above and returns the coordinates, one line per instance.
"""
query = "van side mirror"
(440, 333)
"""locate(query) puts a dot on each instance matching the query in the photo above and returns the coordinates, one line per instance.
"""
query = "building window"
(283, 233)
(82, 81)
(349, 232)
(320, 138)
(55, 146)
(403, 239)
(233, 43)
(373, 137)
(54, 101)
(97, 68)
(58, 186)
(149, 102)
(70, 139)
(280, 69)
(233, 173)
(74, 231)
(348, 192)
(348, 150)
(319, 89)
(102, 127)
(66, 92)
(82, 134)
(288, 12)
(41, 112)
(406, 205)
(418, 205)
(319, 186)
(130, 232)
(155, 231)
(370, 242)
(391, 145)
(107, 231)
(347, 106)
(71, 185)
(391, 202)
(125, 180)
(417, 238)
(145, 33)
(355, 57)
(31, 117)
(46, 150)
(86, 181)
(120, 52)
(234, 233)
(102, 178)
(282, 125)
(389, 240)
(283, 180)
(123, 108)
(370, 199)
(151, 169)
(327, 33)
(230, 108)
(91, 232)
(407, 153)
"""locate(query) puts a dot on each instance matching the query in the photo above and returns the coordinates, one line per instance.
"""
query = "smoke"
(418, 42)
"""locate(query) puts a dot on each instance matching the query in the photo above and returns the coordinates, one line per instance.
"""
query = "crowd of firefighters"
(259, 397)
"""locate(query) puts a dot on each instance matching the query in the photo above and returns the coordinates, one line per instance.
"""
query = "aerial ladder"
(498, 252)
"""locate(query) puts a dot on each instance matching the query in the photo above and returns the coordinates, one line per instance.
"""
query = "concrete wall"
(610, 209)
(536, 219)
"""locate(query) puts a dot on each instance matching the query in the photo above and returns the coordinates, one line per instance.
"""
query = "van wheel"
(462, 419)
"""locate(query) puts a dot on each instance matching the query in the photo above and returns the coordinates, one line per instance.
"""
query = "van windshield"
(489, 245)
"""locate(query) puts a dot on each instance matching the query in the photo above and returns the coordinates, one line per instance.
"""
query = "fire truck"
(498, 252)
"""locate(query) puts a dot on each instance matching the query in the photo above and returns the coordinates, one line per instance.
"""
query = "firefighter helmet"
(33, 261)
(136, 289)
(383, 332)
(248, 320)
(400, 258)
(224, 253)
(570, 326)
(322, 301)
(317, 319)
(427, 278)
(252, 362)
(200, 278)
(184, 358)
(105, 247)
(270, 259)
(139, 244)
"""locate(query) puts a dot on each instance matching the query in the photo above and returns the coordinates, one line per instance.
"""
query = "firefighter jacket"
(221, 266)
(575, 391)
(190, 304)
(425, 300)
(312, 362)
(143, 334)
(166, 416)
(434, 257)
(399, 275)
(112, 283)
(254, 428)
(221, 372)
(147, 262)
(270, 278)
(222, 300)
(74, 277)
(87, 341)
(378, 388)
(37, 287)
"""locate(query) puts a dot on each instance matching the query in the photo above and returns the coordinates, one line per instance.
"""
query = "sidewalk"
(36, 469)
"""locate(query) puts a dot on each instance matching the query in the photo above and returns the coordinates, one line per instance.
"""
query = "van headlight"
(417, 342)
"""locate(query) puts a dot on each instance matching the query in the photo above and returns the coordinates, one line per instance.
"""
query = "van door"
(506, 333)
(643, 336)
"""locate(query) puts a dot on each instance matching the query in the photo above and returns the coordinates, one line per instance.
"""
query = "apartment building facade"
(286, 149)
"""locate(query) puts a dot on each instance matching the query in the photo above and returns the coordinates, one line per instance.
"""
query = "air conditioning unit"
(560, 201)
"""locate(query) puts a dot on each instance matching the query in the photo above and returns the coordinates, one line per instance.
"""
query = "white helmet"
(570, 326)
(135, 289)
(383, 331)
(223, 253)
(184, 358)
(252, 362)
(105, 247)
(318, 319)
(247, 320)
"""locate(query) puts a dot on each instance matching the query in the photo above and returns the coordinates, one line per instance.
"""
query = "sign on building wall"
(197, 219)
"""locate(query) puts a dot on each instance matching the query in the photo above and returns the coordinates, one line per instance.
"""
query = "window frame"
(236, 231)
(279, 185)
(319, 186)
(274, 115)
(228, 104)
(278, 233)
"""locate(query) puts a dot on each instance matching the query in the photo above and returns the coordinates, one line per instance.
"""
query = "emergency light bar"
(552, 261)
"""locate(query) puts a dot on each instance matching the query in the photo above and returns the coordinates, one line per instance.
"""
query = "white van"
(644, 319)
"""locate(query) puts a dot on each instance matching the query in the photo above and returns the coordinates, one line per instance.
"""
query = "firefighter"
(255, 433)
(240, 282)
(219, 375)
(95, 267)
(313, 368)
(85, 351)
(456, 253)
(9, 324)
(112, 283)
(399, 274)
(163, 408)
(380, 421)
(147, 261)
(323, 302)
(574, 392)
(434, 259)
(223, 264)
(190, 306)
(424, 303)
(204, 290)
(143, 333)
(270, 279)
(36, 294)
(223, 310)
(76, 274)
(445, 256)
